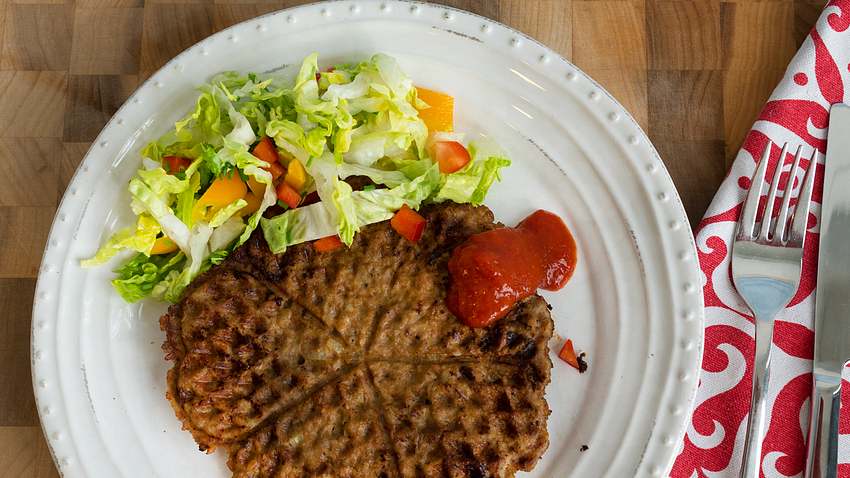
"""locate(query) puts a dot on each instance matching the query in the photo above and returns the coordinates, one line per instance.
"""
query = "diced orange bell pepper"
(440, 115)
(289, 196)
(254, 203)
(221, 192)
(256, 187)
(163, 245)
(327, 244)
(408, 223)
(296, 175)
(266, 150)
(224, 191)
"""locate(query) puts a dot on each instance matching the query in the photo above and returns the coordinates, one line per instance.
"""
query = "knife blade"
(832, 299)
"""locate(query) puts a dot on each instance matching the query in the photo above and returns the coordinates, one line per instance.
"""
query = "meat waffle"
(337, 432)
(463, 419)
(241, 353)
(347, 363)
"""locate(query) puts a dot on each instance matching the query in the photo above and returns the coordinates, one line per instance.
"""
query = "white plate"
(634, 305)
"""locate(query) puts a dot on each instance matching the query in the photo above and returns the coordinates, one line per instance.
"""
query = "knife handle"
(822, 459)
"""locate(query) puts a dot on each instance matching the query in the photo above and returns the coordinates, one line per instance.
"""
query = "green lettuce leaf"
(317, 220)
(471, 184)
(138, 277)
(389, 178)
(289, 136)
(224, 235)
(298, 225)
(186, 200)
(208, 119)
(335, 195)
(172, 286)
(145, 200)
(140, 239)
(218, 257)
(356, 120)
(269, 200)
(226, 212)
(391, 123)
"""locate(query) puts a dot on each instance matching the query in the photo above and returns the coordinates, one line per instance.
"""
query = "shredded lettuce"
(289, 136)
(138, 277)
(186, 200)
(225, 234)
(368, 207)
(378, 176)
(351, 120)
(173, 285)
(471, 184)
(223, 214)
(145, 200)
(335, 195)
(269, 199)
(218, 257)
(140, 239)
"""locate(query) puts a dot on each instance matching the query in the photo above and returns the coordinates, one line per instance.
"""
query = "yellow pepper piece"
(163, 245)
(254, 202)
(440, 115)
(256, 187)
(296, 175)
(221, 192)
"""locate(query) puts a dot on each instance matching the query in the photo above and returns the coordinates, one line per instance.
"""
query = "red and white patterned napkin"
(797, 113)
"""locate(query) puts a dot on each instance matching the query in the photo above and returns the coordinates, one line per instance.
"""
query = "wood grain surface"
(693, 73)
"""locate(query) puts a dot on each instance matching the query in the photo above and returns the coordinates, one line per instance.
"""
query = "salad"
(256, 145)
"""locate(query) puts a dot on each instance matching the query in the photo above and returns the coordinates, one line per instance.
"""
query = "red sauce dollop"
(494, 270)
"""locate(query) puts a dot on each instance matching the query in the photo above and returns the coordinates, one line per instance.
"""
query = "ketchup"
(494, 270)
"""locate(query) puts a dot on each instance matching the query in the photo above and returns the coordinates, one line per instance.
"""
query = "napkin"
(798, 113)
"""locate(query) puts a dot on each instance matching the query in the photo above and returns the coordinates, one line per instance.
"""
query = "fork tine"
(747, 220)
(801, 211)
(771, 195)
(779, 231)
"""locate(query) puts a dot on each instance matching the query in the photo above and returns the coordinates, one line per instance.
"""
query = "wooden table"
(693, 73)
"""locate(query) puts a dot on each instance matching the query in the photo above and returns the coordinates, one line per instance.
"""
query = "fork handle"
(822, 459)
(751, 466)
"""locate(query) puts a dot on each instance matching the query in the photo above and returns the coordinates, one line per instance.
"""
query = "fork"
(767, 257)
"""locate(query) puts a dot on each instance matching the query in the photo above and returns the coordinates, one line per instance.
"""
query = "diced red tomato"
(451, 155)
(327, 244)
(408, 223)
(277, 170)
(266, 150)
(288, 195)
(568, 354)
(175, 164)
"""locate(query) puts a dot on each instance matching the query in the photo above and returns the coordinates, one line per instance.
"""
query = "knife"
(832, 300)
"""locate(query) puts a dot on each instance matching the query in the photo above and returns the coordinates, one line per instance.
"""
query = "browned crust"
(265, 344)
